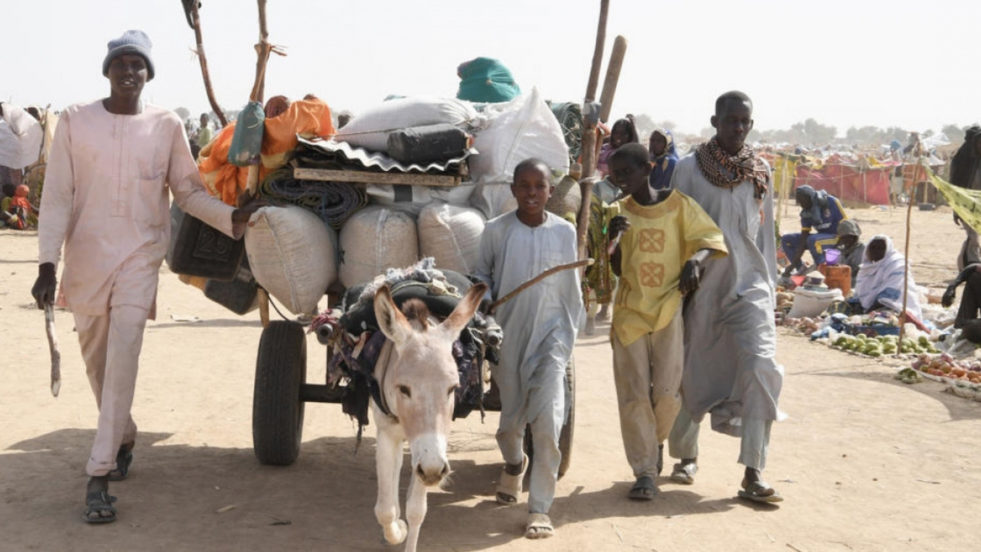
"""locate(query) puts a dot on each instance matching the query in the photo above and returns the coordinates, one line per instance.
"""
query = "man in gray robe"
(730, 336)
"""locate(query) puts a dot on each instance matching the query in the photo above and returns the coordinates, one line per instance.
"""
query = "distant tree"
(954, 133)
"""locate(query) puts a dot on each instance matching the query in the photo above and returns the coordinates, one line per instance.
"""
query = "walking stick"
(49, 327)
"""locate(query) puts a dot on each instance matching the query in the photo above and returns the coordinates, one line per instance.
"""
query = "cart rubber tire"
(565, 436)
(277, 410)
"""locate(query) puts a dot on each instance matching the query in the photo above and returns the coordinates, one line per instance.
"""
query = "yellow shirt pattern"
(652, 253)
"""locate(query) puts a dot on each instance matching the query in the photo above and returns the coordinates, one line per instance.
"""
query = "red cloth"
(846, 183)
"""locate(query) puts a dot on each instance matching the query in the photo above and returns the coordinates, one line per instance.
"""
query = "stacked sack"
(296, 257)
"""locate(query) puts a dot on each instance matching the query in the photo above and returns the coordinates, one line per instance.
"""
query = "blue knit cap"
(132, 42)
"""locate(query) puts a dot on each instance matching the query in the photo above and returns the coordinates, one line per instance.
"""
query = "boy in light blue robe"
(540, 326)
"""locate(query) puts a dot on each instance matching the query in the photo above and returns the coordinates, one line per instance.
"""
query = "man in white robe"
(540, 326)
(730, 336)
(106, 199)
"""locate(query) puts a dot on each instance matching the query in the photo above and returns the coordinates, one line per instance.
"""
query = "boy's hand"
(691, 275)
(617, 226)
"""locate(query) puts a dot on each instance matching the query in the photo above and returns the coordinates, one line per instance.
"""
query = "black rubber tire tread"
(277, 411)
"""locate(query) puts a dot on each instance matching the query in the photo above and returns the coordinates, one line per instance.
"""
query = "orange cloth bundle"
(307, 118)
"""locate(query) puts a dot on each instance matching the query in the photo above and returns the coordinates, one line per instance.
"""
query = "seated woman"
(967, 313)
(880, 280)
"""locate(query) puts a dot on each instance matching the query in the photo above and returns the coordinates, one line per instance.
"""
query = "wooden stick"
(589, 140)
(909, 214)
(597, 53)
(196, 23)
(49, 328)
(585, 207)
(535, 280)
(612, 77)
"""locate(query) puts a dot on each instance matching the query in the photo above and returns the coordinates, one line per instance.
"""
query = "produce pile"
(883, 345)
(946, 368)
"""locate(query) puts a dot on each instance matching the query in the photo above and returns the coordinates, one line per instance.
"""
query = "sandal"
(643, 489)
(539, 527)
(684, 473)
(759, 491)
(123, 460)
(509, 487)
(99, 508)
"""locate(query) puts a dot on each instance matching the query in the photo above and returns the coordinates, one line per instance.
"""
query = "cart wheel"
(277, 411)
(565, 436)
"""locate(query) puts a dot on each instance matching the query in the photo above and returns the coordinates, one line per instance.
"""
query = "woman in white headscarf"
(880, 279)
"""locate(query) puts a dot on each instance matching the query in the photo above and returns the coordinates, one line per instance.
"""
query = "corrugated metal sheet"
(371, 159)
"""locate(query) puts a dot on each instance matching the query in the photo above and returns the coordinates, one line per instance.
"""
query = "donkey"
(418, 379)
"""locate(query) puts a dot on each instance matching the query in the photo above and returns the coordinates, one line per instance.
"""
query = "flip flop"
(759, 491)
(99, 508)
(509, 487)
(124, 458)
(643, 489)
(539, 527)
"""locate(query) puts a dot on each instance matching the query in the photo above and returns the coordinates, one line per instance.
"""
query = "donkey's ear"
(391, 321)
(464, 310)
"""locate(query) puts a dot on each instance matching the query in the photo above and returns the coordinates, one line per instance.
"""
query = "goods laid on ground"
(293, 255)
(962, 377)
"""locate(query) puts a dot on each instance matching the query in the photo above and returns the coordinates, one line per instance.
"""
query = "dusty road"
(865, 463)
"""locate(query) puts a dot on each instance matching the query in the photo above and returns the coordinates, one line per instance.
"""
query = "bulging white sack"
(292, 254)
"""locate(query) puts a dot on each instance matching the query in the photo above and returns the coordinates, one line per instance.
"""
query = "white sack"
(493, 199)
(412, 199)
(516, 130)
(451, 235)
(292, 254)
(20, 137)
(370, 128)
(374, 239)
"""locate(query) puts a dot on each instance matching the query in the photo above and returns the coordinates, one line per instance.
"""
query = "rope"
(333, 202)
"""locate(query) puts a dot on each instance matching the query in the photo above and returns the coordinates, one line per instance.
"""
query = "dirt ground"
(864, 462)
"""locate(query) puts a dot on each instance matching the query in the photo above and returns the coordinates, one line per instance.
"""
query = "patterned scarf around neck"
(728, 171)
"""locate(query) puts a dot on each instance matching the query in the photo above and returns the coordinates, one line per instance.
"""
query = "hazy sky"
(844, 63)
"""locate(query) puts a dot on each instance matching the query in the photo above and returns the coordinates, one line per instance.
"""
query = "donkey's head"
(422, 378)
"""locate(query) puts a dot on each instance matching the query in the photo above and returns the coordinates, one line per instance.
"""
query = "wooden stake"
(589, 135)
(612, 77)
(195, 20)
(909, 214)
(594, 69)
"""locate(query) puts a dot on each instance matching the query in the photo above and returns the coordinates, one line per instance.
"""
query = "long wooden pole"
(909, 215)
(195, 21)
(594, 68)
(589, 134)
(612, 77)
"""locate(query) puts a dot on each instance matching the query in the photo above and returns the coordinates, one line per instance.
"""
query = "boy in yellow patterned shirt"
(662, 238)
